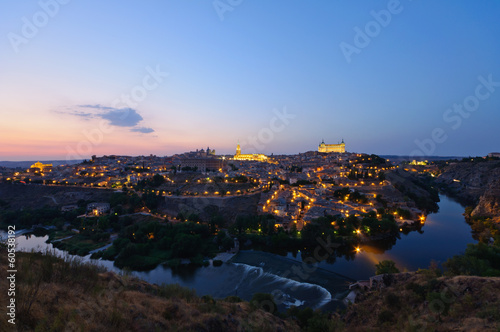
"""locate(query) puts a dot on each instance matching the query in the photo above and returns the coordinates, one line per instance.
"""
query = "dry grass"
(64, 295)
(423, 302)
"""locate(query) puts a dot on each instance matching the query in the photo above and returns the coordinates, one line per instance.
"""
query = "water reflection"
(443, 235)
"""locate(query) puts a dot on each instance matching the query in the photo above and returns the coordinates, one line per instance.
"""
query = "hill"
(20, 196)
(474, 182)
(54, 294)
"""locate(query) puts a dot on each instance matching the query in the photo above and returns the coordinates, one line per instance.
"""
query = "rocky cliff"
(476, 184)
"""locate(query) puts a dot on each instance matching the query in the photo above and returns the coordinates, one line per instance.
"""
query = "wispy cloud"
(143, 130)
(119, 117)
(97, 106)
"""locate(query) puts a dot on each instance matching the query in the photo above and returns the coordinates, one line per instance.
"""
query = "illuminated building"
(40, 167)
(98, 209)
(340, 148)
(420, 163)
(253, 157)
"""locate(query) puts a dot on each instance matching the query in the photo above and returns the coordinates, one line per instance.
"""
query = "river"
(444, 234)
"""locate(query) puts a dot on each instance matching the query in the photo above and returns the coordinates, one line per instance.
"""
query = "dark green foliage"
(354, 196)
(381, 176)
(386, 267)
(314, 321)
(151, 200)
(193, 217)
(264, 301)
(301, 315)
(385, 316)
(224, 242)
(479, 259)
(208, 299)
(417, 289)
(176, 291)
(233, 299)
(118, 199)
(392, 300)
(155, 243)
(29, 217)
(186, 245)
(436, 303)
(406, 214)
(157, 180)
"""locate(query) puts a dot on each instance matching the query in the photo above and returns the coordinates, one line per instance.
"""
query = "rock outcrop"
(476, 184)
(489, 203)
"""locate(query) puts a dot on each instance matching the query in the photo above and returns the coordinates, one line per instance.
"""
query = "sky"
(82, 78)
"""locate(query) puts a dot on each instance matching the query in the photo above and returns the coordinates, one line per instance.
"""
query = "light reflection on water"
(443, 235)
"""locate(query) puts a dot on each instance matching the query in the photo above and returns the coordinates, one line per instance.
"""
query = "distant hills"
(27, 164)
(431, 158)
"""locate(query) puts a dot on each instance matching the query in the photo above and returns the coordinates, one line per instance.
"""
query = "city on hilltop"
(296, 189)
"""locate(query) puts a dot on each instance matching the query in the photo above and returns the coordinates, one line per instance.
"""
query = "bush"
(479, 259)
(208, 299)
(233, 299)
(264, 301)
(417, 289)
(175, 290)
(385, 316)
(436, 303)
(386, 267)
(302, 315)
(173, 262)
(392, 300)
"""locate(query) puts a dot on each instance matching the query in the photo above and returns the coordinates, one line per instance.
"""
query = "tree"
(386, 267)
(193, 217)
(381, 176)
(157, 180)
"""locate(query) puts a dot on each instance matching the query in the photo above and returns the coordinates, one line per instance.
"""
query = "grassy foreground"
(54, 294)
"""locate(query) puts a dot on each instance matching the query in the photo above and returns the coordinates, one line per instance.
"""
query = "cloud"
(97, 106)
(78, 113)
(119, 117)
(123, 117)
(143, 130)
(84, 115)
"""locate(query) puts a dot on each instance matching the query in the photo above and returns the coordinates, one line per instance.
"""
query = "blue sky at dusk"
(211, 73)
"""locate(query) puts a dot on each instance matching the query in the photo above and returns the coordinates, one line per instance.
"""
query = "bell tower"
(238, 149)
